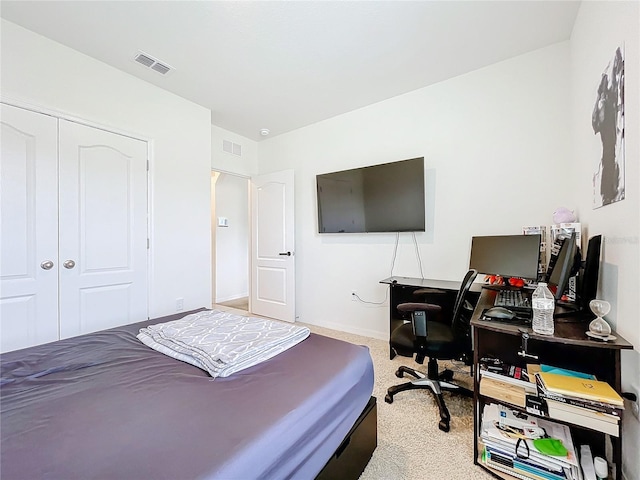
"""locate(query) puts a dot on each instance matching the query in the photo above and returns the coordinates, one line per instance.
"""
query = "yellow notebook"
(580, 387)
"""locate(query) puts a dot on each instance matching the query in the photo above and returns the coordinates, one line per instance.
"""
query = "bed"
(104, 405)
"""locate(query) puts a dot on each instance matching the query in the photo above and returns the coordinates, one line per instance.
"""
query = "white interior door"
(103, 229)
(29, 223)
(273, 260)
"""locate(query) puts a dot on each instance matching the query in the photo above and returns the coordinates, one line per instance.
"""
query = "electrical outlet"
(179, 304)
(354, 296)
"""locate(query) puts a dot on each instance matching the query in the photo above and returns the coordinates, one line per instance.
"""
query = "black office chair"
(438, 341)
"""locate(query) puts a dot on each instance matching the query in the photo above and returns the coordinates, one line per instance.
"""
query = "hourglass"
(599, 328)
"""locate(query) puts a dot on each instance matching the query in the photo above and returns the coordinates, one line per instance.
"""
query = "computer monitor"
(561, 267)
(587, 287)
(506, 255)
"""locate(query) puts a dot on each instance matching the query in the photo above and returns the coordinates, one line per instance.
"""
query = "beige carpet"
(410, 445)
(238, 303)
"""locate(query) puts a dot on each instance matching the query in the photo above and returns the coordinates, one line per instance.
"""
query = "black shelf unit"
(569, 347)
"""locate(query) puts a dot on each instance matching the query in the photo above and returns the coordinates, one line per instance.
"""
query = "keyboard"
(515, 300)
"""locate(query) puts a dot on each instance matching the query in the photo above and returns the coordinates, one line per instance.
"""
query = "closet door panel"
(103, 229)
(29, 229)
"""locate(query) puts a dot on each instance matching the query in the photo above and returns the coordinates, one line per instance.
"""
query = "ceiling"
(283, 65)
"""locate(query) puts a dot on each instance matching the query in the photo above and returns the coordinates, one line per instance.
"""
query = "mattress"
(104, 405)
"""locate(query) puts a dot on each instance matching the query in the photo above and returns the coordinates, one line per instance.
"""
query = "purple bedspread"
(105, 406)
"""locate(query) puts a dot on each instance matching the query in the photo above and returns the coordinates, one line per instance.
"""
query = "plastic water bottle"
(543, 305)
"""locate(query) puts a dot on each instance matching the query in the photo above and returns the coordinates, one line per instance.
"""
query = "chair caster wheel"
(399, 374)
(444, 426)
(447, 375)
(388, 398)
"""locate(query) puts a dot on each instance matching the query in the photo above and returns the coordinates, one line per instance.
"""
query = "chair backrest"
(458, 322)
(420, 336)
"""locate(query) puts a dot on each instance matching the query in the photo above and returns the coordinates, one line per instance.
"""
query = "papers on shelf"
(601, 422)
(505, 373)
(502, 445)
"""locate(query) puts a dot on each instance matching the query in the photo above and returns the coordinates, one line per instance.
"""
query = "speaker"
(590, 273)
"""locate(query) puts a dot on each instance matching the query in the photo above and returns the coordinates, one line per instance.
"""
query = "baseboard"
(229, 298)
(365, 332)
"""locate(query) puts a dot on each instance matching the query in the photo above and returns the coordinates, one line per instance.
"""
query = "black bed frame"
(350, 459)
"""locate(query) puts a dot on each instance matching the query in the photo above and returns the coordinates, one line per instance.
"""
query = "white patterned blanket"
(222, 343)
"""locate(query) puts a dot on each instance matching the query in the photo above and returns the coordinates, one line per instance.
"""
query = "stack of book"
(590, 403)
(508, 383)
(508, 450)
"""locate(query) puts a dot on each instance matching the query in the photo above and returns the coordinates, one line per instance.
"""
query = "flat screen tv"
(380, 198)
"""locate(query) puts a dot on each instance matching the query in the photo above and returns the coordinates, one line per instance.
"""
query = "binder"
(580, 387)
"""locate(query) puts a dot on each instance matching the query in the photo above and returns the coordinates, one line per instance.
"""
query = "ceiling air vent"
(144, 60)
(152, 63)
(160, 68)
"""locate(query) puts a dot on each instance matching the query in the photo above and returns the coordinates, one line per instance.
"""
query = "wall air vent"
(152, 63)
(232, 148)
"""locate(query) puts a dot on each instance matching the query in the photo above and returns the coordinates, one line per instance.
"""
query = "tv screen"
(379, 198)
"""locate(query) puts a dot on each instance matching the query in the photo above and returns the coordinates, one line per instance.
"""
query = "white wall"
(496, 148)
(600, 28)
(232, 242)
(49, 75)
(245, 164)
(231, 249)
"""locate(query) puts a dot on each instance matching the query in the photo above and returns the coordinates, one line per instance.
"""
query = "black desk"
(569, 347)
(443, 293)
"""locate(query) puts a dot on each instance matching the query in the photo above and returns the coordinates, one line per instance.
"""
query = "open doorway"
(230, 236)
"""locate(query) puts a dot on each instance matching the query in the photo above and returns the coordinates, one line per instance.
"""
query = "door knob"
(286, 254)
(47, 265)
(69, 264)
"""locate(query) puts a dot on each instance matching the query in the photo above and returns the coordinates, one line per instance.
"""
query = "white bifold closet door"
(102, 229)
(29, 222)
(74, 229)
